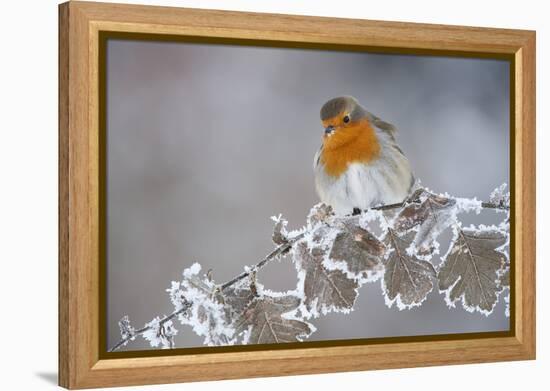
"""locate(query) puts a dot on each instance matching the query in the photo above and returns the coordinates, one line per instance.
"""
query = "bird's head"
(343, 118)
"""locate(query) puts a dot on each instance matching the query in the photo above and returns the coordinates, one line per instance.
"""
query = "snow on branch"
(333, 257)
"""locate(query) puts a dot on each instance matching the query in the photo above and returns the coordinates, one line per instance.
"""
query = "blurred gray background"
(206, 142)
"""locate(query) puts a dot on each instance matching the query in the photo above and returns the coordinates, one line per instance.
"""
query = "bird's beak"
(329, 130)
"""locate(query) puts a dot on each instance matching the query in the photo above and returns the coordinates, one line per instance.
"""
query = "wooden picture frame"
(83, 364)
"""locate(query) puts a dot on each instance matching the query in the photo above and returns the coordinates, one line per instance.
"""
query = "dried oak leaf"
(324, 290)
(471, 269)
(360, 249)
(431, 213)
(263, 319)
(407, 278)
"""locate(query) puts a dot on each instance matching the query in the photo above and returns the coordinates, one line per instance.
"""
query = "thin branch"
(485, 205)
(491, 205)
(390, 206)
(280, 250)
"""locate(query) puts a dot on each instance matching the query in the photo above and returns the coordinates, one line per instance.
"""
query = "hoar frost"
(160, 333)
(334, 256)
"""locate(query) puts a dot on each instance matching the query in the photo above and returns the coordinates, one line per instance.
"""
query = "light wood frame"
(81, 363)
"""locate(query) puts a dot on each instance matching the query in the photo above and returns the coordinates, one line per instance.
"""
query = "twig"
(491, 205)
(390, 206)
(280, 250)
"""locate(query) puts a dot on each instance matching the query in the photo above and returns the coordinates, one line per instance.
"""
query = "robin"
(359, 164)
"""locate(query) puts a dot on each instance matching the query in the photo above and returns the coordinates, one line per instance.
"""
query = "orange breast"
(352, 144)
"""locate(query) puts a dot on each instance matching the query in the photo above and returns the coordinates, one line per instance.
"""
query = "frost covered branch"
(334, 256)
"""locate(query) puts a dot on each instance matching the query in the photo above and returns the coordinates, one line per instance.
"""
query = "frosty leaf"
(263, 321)
(318, 214)
(432, 215)
(160, 333)
(407, 279)
(500, 196)
(505, 249)
(280, 234)
(360, 249)
(126, 329)
(504, 279)
(504, 227)
(206, 311)
(237, 297)
(470, 269)
(504, 282)
(507, 302)
(324, 290)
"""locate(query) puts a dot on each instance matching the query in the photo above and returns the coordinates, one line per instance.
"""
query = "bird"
(359, 164)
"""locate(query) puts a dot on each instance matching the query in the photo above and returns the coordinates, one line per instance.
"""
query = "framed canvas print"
(249, 195)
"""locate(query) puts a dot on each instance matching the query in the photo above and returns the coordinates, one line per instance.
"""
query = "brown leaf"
(470, 269)
(237, 297)
(504, 279)
(406, 278)
(319, 213)
(263, 317)
(324, 290)
(360, 249)
(431, 213)
(279, 232)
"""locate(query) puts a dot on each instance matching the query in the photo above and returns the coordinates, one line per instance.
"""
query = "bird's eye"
(346, 119)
